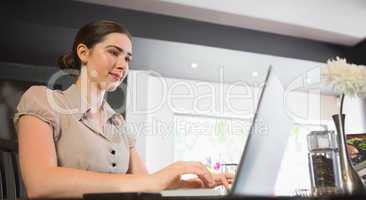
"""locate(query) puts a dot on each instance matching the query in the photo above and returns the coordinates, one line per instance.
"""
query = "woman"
(72, 142)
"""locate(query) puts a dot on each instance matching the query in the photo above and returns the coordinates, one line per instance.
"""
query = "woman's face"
(107, 62)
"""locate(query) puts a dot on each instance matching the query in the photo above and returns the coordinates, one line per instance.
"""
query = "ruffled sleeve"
(37, 102)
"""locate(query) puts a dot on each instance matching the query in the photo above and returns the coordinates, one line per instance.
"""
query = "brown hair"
(90, 34)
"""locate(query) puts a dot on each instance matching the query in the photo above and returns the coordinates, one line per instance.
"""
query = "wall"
(355, 110)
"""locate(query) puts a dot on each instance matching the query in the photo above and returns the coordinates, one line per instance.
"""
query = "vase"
(350, 182)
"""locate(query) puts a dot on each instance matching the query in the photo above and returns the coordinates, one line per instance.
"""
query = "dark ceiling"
(37, 32)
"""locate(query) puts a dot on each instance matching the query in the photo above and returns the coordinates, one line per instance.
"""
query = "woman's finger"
(229, 175)
(192, 183)
(201, 172)
(207, 174)
(221, 180)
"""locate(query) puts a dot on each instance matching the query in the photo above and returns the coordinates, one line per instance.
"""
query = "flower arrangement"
(345, 78)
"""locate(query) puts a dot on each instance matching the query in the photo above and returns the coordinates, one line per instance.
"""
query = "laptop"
(261, 159)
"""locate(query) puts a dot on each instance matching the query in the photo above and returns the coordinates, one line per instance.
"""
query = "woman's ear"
(83, 53)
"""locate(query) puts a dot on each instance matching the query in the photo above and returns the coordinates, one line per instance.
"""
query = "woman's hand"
(170, 177)
(219, 178)
(225, 179)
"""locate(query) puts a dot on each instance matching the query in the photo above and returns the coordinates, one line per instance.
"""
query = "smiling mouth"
(115, 77)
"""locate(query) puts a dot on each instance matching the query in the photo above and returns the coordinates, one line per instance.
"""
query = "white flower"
(345, 78)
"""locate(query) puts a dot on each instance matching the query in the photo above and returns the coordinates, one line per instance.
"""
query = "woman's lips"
(115, 77)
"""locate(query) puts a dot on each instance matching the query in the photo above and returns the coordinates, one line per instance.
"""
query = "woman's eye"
(115, 53)
(128, 59)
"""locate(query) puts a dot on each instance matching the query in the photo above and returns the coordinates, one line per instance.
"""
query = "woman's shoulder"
(41, 95)
(41, 102)
(40, 90)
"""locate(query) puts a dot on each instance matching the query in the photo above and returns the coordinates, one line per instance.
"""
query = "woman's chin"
(109, 85)
(112, 86)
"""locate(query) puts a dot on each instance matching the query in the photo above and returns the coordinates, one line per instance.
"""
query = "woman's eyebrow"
(120, 49)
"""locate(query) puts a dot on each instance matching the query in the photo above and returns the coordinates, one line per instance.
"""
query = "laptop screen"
(265, 146)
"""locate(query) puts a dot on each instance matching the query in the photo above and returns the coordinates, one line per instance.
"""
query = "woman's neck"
(93, 94)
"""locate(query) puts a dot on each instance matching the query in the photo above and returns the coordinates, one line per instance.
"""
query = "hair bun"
(67, 61)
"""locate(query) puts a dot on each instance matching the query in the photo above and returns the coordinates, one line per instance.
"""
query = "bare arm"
(43, 178)
(136, 165)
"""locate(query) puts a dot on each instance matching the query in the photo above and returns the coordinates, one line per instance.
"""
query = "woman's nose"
(122, 64)
(121, 68)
